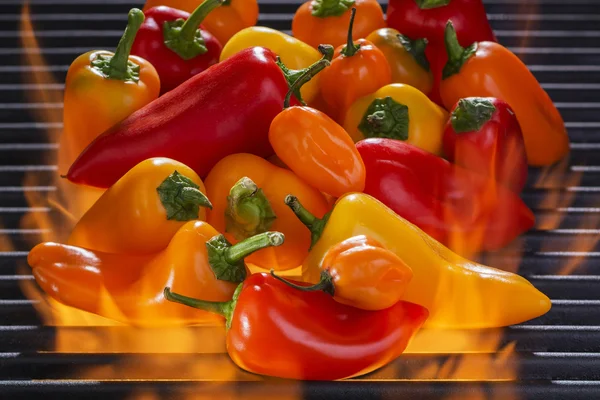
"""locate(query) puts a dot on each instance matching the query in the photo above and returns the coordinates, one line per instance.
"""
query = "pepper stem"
(471, 114)
(330, 8)
(314, 224)
(350, 48)
(222, 308)
(297, 78)
(118, 65)
(248, 211)
(457, 55)
(227, 260)
(427, 4)
(325, 284)
(181, 197)
(184, 37)
(416, 48)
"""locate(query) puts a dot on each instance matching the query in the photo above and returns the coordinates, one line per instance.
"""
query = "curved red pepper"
(484, 135)
(460, 208)
(225, 110)
(428, 18)
(276, 330)
(187, 56)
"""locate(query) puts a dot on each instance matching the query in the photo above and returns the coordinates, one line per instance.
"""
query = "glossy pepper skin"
(427, 19)
(326, 21)
(128, 288)
(460, 208)
(315, 147)
(276, 330)
(406, 57)
(358, 69)
(483, 135)
(176, 45)
(101, 89)
(361, 273)
(216, 113)
(457, 292)
(224, 22)
(487, 69)
(244, 207)
(401, 112)
(142, 211)
(294, 54)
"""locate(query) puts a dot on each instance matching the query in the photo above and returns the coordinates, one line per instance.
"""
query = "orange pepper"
(358, 69)
(248, 195)
(487, 69)
(127, 288)
(362, 273)
(223, 22)
(314, 146)
(325, 21)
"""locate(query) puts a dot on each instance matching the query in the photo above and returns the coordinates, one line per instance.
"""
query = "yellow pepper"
(295, 54)
(457, 292)
(398, 111)
(406, 57)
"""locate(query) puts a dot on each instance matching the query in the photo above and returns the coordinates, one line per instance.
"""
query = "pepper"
(219, 112)
(483, 135)
(276, 330)
(358, 69)
(101, 89)
(176, 45)
(142, 211)
(295, 55)
(457, 292)
(314, 146)
(427, 19)
(487, 69)
(127, 288)
(399, 112)
(248, 193)
(361, 273)
(325, 21)
(460, 208)
(406, 58)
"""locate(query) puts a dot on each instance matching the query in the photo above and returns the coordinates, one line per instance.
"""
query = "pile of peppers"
(320, 194)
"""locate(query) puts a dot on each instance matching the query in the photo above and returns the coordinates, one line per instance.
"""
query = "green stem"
(471, 114)
(330, 8)
(427, 4)
(190, 26)
(416, 48)
(314, 224)
(325, 284)
(248, 211)
(181, 197)
(385, 118)
(457, 55)
(243, 249)
(297, 78)
(350, 48)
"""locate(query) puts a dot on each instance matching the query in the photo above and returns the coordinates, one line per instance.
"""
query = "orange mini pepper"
(248, 196)
(223, 22)
(314, 146)
(127, 288)
(326, 21)
(362, 273)
(487, 69)
(358, 69)
(142, 211)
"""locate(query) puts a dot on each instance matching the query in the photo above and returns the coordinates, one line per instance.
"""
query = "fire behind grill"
(556, 356)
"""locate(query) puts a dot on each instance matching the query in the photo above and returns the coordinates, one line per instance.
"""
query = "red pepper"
(465, 211)
(225, 110)
(483, 135)
(427, 19)
(174, 44)
(276, 330)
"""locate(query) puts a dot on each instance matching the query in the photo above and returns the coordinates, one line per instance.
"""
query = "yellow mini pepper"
(406, 58)
(457, 292)
(295, 54)
(398, 111)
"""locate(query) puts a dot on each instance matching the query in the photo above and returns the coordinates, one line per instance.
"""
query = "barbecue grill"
(556, 356)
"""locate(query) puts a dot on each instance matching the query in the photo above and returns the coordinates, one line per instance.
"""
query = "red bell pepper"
(276, 330)
(226, 109)
(465, 211)
(427, 19)
(175, 45)
(483, 135)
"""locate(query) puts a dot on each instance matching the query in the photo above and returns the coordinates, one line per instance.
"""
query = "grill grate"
(557, 355)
